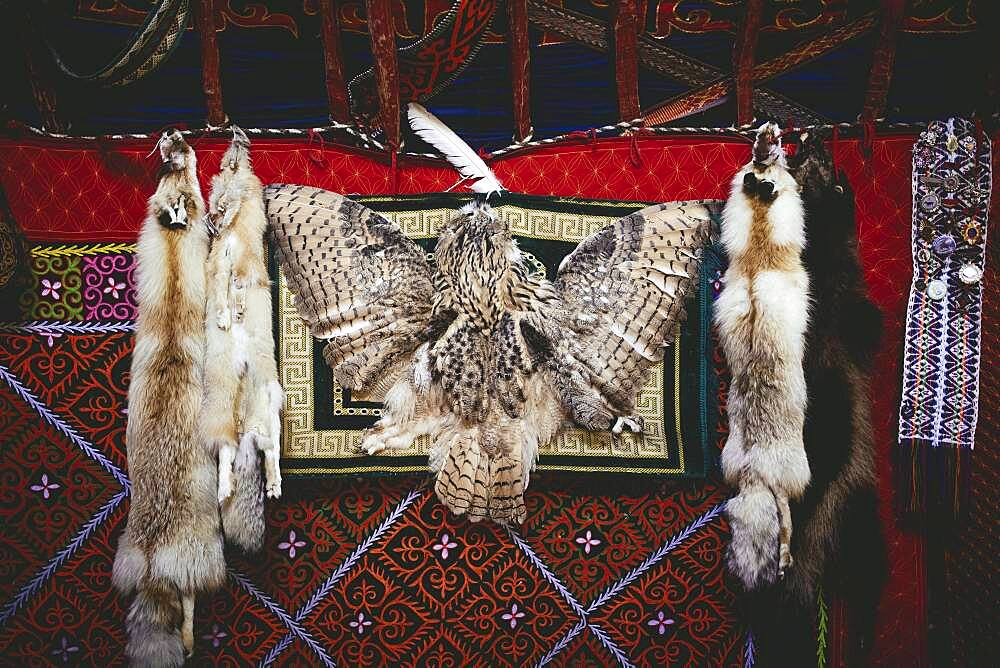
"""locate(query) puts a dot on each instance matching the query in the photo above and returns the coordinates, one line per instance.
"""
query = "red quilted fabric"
(972, 563)
(89, 192)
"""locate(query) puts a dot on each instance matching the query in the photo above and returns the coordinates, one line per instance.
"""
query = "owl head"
(477, 235)
(478, 223)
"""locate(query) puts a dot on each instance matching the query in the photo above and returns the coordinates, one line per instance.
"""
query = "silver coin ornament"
(970, 274)
(937, 290)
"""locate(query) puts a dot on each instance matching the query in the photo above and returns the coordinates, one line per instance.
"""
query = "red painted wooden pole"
(625, 28)
(883, 58)
(517, 11)
(210, 83)
(336, 90)
(383, 35)
(743, 59)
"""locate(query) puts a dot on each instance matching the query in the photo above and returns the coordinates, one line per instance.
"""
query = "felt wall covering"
(374, 571)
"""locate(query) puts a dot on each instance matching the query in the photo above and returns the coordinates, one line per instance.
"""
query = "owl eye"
(839, 189)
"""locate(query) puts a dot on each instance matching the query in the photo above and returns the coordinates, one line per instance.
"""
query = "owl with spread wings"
(473, 349)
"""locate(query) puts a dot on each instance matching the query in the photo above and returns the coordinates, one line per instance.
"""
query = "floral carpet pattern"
(355, 573)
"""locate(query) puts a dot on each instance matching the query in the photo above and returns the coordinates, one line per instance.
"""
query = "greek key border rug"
(323, 422)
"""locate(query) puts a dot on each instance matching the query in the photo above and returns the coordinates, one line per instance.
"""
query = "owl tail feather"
(507, 488)
(474, 481)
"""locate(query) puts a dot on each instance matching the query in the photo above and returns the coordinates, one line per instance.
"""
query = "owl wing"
(622, 291)
(359, 282)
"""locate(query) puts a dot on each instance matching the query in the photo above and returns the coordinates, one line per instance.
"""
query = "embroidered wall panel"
(367, 571)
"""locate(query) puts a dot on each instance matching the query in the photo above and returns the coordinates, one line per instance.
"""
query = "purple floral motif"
(51, 289)
(717, 283)
(107, 287)
(216, 636)
(46, 488)
(50, 336)
(113, 287)
(661, 622)
(445, 544)
(512, 616)
(588, 541)
(65, 650)
(291, 545)
(360, 623)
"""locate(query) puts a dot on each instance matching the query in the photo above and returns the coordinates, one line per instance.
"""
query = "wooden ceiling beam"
(210, 82)
(383, 36)
(712, 94)
(517, 14)
(625, 30)
(743, 59)
(883, 58)
(333, 62)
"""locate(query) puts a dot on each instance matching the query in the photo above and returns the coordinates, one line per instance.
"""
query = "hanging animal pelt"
(242, 396)
(474, 350)
(172, 545)
(838, 542)
(761, 317)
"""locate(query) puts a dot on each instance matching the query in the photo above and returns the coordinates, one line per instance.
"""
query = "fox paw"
(225, 484)
(372, 443)
(273, 488)
(785, 561)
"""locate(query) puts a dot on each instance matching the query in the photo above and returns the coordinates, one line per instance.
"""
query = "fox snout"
(767, 144)
(173, 148)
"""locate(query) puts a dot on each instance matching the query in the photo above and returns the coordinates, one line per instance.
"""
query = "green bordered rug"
(323, 422)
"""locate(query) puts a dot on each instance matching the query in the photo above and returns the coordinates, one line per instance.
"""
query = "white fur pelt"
(172, 545)
(761, 317)
(242, 396)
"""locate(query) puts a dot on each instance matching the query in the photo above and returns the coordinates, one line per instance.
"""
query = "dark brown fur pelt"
(838, 545)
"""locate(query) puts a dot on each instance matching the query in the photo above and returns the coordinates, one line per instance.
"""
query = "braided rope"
(368, 141)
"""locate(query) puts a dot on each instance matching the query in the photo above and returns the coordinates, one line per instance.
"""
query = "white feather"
(461, 156)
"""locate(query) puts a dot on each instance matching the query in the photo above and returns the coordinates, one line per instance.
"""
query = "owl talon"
(634, 423)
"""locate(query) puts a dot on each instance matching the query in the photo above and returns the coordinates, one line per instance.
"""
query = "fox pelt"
(172, 545)
(761, 316)
(471, 348)
(243, 398)
(838, 542)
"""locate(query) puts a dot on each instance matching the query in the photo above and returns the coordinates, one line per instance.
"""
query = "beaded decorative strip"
(951, 193)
